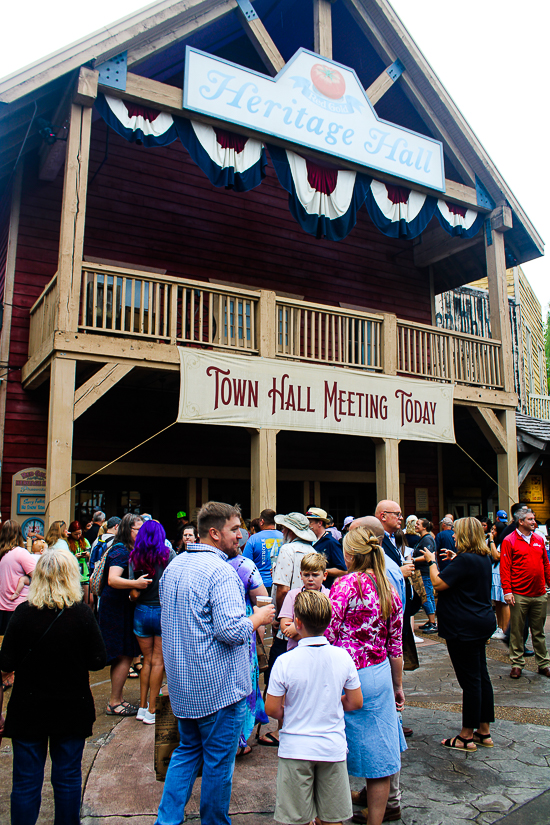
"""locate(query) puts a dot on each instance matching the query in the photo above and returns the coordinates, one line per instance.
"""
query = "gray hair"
(521, 514)
(98, 516)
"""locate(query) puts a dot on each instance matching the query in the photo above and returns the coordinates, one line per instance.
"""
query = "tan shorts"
(306, 789)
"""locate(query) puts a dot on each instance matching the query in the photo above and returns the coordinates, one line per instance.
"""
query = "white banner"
(287, 395)
(312, 102)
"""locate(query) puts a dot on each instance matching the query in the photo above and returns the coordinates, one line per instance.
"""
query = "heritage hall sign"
(313, 102)
(287, 395)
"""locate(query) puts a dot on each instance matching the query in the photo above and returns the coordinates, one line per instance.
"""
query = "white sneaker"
(498, 634)
(148, 718)
(141, 714)
(418, 639)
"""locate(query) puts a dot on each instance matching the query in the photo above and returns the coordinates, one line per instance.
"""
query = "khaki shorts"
(306, 789)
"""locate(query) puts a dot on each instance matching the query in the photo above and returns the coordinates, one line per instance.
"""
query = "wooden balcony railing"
(327, 335)
(539, 406)
(117, 301)
(121, 302)
(42, 312)
(442, 355)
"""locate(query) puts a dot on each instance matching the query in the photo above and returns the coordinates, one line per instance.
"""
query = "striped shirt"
(205, 632)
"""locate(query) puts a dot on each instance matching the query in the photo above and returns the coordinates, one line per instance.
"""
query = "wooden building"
(115, 253)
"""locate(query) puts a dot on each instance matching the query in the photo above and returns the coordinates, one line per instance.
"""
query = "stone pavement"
(507, 784)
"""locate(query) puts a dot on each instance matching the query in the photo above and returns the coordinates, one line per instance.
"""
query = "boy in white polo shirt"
(305, 690)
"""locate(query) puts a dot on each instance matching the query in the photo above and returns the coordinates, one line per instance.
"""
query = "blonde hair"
(313, 563)
(314, 611)
(469, 537)
(410, 525)
(55, 532)
(364, 547)
(55, 580)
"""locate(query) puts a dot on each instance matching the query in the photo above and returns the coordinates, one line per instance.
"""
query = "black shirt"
(426, 542)
(464, 611)
(332, 549)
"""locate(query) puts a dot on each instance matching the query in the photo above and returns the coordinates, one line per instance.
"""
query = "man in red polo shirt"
(524, 573)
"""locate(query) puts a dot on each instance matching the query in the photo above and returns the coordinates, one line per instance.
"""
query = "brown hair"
(55, 532)
(364, 547)
(10, 537)
(215, 514)
(313, 563)
(268, 516)
(314, 611)
(469, 537)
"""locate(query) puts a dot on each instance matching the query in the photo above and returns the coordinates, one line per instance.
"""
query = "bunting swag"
(136, 123)
(458, 220)
(323, 200)
(397, 211)
(227, 159)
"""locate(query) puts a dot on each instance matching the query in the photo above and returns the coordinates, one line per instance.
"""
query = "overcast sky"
(492, 56)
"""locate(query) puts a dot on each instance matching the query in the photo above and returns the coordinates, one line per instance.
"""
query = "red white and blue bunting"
(458, 220)
(324, 200)
(397, 211)
(135, 123)
(227, 159)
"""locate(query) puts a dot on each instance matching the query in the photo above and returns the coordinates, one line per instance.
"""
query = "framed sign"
(532, 490)
(28, 493)
(421, 499)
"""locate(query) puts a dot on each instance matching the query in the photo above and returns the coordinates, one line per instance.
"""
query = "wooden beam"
(491, 428)
(498, 304)
(501, 219)
(73, 211)
(100, 383)
(176, 32)
(322, 28)
(379, 87)
(465, 396)
(167, 98)
(507, 463)
(436, 245)
(387, 469)
(263, 470)
(527, 465)
(86, 87)
(260, 38)
(60, 440)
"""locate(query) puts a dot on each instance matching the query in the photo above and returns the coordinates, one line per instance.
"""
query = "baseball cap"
(317, 513)
(348, 520)
(114, 521)
(502, 514)
(181, 514)
(446, 521)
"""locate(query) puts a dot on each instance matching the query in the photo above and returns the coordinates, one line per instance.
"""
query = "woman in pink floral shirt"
(367, 621)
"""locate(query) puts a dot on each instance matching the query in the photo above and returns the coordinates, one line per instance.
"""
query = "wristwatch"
(431, 562)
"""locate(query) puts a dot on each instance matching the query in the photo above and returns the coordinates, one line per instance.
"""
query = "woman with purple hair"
(150, 556)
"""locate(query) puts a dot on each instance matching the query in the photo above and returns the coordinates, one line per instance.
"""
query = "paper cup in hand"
(263, 601)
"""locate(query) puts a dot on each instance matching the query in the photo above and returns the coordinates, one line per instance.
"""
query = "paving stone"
(493, 802)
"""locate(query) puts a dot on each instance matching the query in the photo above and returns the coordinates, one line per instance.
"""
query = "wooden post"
(266, 323)
(11, 253)
(387, 468)
(73, 211)
(322, 28)
(498, 297)
(507, 463)
(60, 440)
(440, 484)
(263, 470)
(389, 344)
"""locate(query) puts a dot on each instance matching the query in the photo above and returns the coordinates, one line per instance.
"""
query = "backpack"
(97, 579)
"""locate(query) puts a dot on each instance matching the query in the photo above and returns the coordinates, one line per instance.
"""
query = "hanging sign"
(312, 102)
(288, 395)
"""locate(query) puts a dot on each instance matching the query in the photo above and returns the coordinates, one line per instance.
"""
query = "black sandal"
(480, 739)
(451, 743)
(126, 709)
(273, 741)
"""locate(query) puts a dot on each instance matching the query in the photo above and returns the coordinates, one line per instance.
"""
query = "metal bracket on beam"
(246, 8)
(483, 197)
(113, 72)
(395, 70)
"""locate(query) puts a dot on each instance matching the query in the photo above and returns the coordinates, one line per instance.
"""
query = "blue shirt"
(332, 549)
(394, 574)
(261, 548)
(206, 635)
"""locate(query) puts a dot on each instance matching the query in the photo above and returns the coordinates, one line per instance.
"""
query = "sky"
(491, 55)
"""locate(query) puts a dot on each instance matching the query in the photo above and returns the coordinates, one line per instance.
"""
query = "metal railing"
(441, 355)
(42, 312)
(328, 335)
(124, 302)
(539, 406)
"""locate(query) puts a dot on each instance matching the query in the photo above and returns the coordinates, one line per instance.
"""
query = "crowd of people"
(340, 606)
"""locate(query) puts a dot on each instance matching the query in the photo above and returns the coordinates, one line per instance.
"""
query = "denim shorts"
(147, 621)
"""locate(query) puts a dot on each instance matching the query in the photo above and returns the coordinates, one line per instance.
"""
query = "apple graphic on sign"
(328, 81)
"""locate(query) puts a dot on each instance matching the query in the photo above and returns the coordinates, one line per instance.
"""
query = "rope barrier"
(483, 470)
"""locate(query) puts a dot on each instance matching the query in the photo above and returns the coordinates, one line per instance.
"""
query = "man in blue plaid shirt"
(205, 642)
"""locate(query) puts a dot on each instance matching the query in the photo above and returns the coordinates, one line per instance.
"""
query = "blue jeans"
(29, 759)
(429, 604)
(210, 741)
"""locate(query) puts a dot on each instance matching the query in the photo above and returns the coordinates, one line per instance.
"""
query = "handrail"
(539, 406)
(47, 289)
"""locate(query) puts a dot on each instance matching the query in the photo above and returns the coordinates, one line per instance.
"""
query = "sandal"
(244, 750)
(451, 743)
(122, 709)
(133, 673)
(273, 741)
(480, 739)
